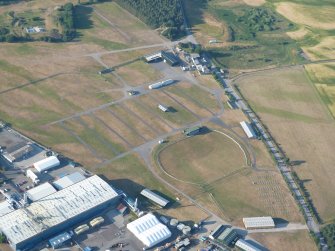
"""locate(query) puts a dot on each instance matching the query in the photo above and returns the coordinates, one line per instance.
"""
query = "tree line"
(166, 14)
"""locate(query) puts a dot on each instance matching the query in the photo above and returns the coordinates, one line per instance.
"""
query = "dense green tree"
(158, 13)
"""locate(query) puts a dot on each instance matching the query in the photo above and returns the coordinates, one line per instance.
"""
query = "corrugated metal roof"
(56, 209)
(259, 222)
(5, 208)
(41, 191)
(68, 180)
(149, 230)
(246, 246)
(155, 197)
(248, 129)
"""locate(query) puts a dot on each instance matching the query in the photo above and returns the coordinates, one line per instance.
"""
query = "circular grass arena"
(202, 158)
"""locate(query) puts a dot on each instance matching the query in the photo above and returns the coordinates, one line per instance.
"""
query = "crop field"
(212, 169)
(301, 124)
(296, 240)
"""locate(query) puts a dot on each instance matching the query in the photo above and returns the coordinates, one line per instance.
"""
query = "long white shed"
(47, 163)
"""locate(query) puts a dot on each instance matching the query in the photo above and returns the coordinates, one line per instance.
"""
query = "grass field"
(301, 124)
(299, 240)
(240, 46)
(212, 170)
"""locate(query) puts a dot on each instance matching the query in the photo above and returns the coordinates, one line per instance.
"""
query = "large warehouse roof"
(246, 246)
(149, 230)
(55, 209)
(68, 180)
(46, 163)
(5, 208)
(155, 197)
(40, 191)
(259, 222)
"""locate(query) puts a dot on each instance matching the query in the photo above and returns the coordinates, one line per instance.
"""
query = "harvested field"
(298, 34)
(296, 240)
(323, 50)
(300, 123)
(321, 17)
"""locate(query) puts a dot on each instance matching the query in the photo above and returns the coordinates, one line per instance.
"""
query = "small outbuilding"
(192, 131)
(154, 197)
(247, 128)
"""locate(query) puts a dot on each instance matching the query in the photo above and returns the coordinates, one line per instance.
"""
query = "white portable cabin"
(161, 84)
(46, 164)
(30, 174)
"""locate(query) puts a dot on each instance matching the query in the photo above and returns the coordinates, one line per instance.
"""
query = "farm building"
(216, 232)
(154, 197)
(68, 180)
(149, 230)
(163, 108)
(170, 58)
(229, 236)
(5, 208)
(46, 164)
(40, 191)
(192, 131)
(153, 57)
(247, 128)
(258, 222)
(161, 84)
(26, 227)
(105, 71)
(246, 246)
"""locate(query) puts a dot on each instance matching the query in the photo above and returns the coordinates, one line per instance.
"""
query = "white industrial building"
(153, 57)
(40, 191)
(258, 222)
(68, 180)
(46, 163)
(161, 84)
(149, 230)
(5, 208)
(31, 175)
(154, 197)
(26, 227)
(246, 246)
(163, 108)
(247, 128)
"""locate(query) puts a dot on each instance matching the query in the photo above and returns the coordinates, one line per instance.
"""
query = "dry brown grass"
(324, 50)
(298, 34)
(292, 110)
(321, 17)
(296, 240)
(254, 2)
